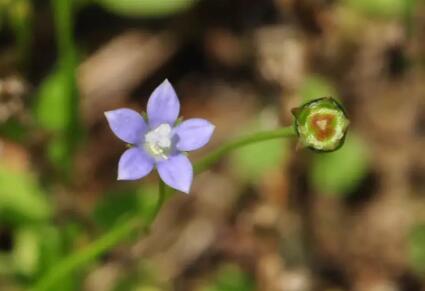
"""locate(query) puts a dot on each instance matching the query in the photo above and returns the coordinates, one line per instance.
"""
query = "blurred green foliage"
(145, 288)
(253, 161)
(339, 172)
(17, 15)
(383, 8)
(14, 130)
(417, 249)
(54, 92)
(147, 8)
(145, 278)
(57, 105)
(36, 244)
(230, 277)
(120, 203)
(57, 92)
(26, 252)
(21, 198)
(37, 248)
(315, 87)
(20, 19)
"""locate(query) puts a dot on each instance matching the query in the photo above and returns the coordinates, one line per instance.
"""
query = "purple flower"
(159, 141)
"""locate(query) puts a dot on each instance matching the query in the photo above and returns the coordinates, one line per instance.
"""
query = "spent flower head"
(321, 124)
(158, 141)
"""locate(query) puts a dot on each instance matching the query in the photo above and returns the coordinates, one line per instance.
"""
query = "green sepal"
(179, 121)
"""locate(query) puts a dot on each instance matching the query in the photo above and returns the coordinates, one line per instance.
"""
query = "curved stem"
(213, 157)
(126, 229)
(161, 199)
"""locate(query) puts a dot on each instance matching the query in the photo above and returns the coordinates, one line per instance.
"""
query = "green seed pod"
(321, 124)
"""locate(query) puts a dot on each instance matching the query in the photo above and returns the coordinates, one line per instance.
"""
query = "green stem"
(118, 233)
(82, 257)
(161, 198)
(213, 157)
(127, 228)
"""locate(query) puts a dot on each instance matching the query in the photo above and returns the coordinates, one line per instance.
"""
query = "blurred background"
(268, 217)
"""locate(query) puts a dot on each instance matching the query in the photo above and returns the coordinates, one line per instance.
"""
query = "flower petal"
(193, 134)
(176, 172)
(134, 164)
(127, 124)
(163, 105)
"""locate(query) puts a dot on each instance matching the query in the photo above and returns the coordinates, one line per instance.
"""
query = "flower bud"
(321, 124)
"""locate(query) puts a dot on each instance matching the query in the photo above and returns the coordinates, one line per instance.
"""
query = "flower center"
(158, 142)
(322, 125)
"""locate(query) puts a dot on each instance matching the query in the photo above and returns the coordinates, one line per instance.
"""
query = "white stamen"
(322, 124)
(158, 141)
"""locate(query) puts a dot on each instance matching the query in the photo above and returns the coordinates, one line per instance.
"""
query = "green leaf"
(339, 172)
(146, 8)
(55, 111)
(21, 198)
(51, 109)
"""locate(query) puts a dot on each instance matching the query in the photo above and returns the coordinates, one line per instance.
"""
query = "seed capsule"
(321, 124)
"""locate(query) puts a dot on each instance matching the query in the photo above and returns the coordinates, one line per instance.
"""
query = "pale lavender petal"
(127, 124)
(193, 134)
(163, 105)
(176, 172)
(134, 164)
